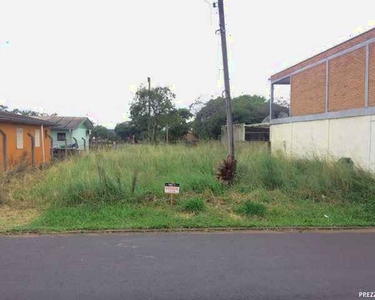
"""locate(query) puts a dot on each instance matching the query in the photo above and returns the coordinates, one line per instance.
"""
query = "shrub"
(252, 209)
(193, 205)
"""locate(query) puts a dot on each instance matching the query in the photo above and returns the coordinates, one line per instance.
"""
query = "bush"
(193, 205)
(252, 209)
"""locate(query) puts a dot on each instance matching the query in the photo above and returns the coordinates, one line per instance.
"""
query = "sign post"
(172, 189)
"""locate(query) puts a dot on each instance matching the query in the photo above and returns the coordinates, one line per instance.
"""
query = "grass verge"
(123, 189)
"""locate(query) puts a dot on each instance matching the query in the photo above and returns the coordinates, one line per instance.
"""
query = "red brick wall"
(347, 81)
(372, 76)
(343, 46)
(308, 90)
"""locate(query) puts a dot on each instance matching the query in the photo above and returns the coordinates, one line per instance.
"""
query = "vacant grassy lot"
(125, 189)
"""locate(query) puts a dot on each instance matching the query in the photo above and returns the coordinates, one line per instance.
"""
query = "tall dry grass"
(137, 173)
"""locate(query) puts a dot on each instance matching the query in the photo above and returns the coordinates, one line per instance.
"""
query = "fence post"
(84, 144)
(51, 148)
(5, 152)
(66, 147)
(76, 142)
(32, 150)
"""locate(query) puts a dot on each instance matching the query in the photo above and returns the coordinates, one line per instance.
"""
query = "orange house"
(23, 139)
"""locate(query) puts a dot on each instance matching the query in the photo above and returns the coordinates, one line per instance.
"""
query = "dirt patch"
(11, 218)
(235, 217)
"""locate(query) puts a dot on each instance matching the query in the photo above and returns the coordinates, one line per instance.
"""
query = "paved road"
(188, 266)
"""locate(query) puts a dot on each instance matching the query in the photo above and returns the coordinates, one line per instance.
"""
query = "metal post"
(66, 147)
(271, 101)
(226, 78)
(84, 144)
(5, 152)
(76, 142)
(51, 148)
(32, 150)
(149, 109)
(43, 146)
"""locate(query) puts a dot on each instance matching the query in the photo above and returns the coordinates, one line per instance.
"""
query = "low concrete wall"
(352, 137)
(238, 131)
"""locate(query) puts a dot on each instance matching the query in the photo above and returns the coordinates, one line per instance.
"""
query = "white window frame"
(19, 138)
(37, 138)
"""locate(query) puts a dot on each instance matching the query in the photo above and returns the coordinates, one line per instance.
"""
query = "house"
(23, 139)
(332, 105)
(75, 131)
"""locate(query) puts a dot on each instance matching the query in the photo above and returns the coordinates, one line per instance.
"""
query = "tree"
(26, 112)
(246, 109)
(126, 130)
(100, 132)
(180, 125)
(151, 111)
(23, 112)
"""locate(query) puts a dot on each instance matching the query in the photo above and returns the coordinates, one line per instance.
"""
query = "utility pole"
(226, 78)
(149, 109)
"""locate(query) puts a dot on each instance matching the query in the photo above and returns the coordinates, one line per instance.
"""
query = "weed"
(295, 191)
(193, 205)
(250, 208)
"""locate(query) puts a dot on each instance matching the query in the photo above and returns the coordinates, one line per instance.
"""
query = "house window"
(19, 138)
(61, 136)
(37, 138)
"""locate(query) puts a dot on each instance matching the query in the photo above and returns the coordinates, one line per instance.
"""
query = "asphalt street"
(310, 265)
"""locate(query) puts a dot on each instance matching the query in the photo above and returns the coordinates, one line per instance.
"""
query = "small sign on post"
(172, 189)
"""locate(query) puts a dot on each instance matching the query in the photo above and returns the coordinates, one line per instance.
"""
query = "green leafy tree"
(246, 109)
(27, 112)
(126, 130)
(151, 111)
(100, 132)
(180, 125)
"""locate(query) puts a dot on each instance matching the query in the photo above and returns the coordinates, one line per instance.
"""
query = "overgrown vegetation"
(124, 189)
(250, 208)
(193, 205)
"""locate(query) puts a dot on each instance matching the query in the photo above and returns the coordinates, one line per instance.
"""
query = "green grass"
(194, 205)
(123, 189)
(250, 208)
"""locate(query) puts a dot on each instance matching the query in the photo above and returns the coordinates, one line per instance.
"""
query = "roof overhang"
(6, 117)
(352, 44)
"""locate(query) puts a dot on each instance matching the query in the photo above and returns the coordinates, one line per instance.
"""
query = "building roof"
(355, 41)
(8, 117)
(68, 123)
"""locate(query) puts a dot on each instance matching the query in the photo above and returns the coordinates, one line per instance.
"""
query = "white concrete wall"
(352, 137)
(238, 133)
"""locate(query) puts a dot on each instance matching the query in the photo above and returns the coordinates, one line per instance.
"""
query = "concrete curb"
(193, 230)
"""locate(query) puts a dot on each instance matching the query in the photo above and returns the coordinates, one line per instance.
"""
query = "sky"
(88, 57)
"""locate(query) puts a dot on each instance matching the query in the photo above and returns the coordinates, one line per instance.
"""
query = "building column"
(271, 100)
(327, 86)
(367, 74)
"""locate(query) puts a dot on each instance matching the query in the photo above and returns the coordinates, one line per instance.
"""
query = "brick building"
(332, 104)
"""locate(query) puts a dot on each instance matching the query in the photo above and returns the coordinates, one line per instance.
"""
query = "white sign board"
(172, 188)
